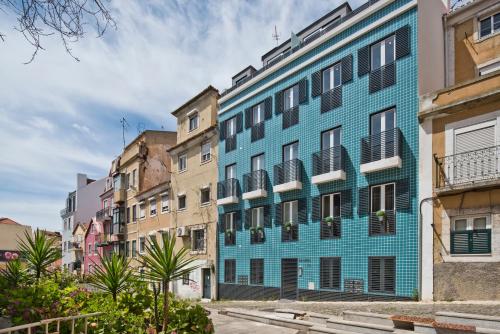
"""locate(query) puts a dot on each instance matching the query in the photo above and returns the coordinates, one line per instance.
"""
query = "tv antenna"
(276, 35)
(125, 126)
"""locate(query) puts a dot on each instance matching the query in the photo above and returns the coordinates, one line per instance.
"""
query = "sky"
(60, 117)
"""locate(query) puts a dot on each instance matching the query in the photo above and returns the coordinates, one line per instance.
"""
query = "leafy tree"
(39, 252)
(113, 276)
(14, 274)
(163, 264)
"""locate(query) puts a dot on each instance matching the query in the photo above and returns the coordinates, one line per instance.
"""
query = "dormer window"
(489, 25)
(193, 121)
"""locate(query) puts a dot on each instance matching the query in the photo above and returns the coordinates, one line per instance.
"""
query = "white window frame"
(180, 158)
(489, 67)
(164, 208)
(382, 196)
(196, 118)
(193, 240)
(485, 17)
(470, 221)
(331, 71)
(134, 177)
(287, 206)
(153, 210)
(291, 96)
(230, 216)
(330, 203)
(257, 217)
(142, 210)
(179, 201)
(258, 114)
(201, 196)
(206, 156)
(231, 127)
(142, 246)
(382, 52)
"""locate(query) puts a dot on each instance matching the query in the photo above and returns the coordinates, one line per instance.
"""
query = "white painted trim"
(328, 177)
(255, 194)
(375, 166)
(227, 200)
(320, 55)
(292, 185)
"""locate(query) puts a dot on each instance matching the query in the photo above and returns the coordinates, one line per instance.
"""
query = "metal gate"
(289, 271)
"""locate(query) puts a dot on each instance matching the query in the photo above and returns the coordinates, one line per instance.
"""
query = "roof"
(83, 226)
(8, 221)
(197, 96)
(244, 70)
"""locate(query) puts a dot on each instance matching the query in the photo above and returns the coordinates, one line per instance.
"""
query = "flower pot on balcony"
(288, 226)
(229, 233)
(328, 221)
(380, 215)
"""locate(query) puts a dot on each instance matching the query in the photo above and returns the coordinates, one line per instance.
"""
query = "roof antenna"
(276, 35)
(125, 126)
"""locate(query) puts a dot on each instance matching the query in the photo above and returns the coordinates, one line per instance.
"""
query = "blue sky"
(59, 117)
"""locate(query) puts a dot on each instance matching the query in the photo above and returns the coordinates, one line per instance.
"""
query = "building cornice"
(191, 141)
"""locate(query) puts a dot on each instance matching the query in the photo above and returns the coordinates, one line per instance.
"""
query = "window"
(134, 248)
(258, 162)
(142, 244)
(291, 97)
(185, 279)
(134, 177)
(257, 271)
(330, 268)
(229, 221)
(182, 202)
(231, 127)
(152, 207)
(471, 235)
(331, 138)
(92, 229)
(258, 113)
(89, 252)
(330, 216)
(95, 248)
(331, 205)
(142, 210)
(127, 181)
(205, 196)
(257, 217)
(489, 25)
(382, 274)
(128, 215)
(489, 68)
(182, 162)
(332, 77)
(193, 122)
(164, 202)
(229, 271)
(134, 213)
(127, 249)
(205, 152)
(382, 209)
(198, 240)
(290, 228)
(383, 52)
(382, 143)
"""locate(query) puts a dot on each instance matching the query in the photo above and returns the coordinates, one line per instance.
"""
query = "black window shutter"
(303, 91)
(316, 208)
(346, 203)
(278, 102)
(239, 122)
(237, 220)
(302, 210)
(374, 270)
(268, 107)
(267, 216)
(389, 275)
(347, 69)
(403, 47)
(376, 80)
(364, 201)
(222, 130)
(316, 84)
(278, 220)
(222, 223)
(402, 195)
(248, 118)
(248, 218)
(363, 61)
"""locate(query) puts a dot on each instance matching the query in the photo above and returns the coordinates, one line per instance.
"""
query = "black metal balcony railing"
(383, 77)
(471, 242)
(382, 145)
(288, 171)
(230, 238)
(231, 143)
(256, 237)
(330, 230)
(329, 160)
(384, 225)
(290, 234)
(258, 131)
(228, 188)
(103, 214)
(290, 117)
(256, 180)
(467, 168)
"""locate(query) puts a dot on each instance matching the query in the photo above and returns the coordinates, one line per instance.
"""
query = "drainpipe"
(421, 241)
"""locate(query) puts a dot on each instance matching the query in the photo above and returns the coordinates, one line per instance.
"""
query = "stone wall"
(467, 281)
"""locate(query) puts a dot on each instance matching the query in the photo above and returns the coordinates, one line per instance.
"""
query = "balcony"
(104, 214)
(383, 225)
(230, 238)
(118, 226)
(381, 151)
(288, 176)
(329, 165)
(230, 143)
(258, 131)
(256, 236)
(330, 229)
(119, 196)
(469, 170)
(76, 246)
(471, 242)
(255, 185)
(103, 240)
(228, 192)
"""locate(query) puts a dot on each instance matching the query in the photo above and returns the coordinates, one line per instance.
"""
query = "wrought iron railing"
(230, 238)
(468, 168)
(330, 229)
(256, 237)
(230, 143)
(290, 233)
(470, 242)
(258, 131)
(380, 146)
(290, 117)
(329, 160)
(288, 171)
(386, 224)
(384, 76)
(103, 214)
(255, 180)
(228, 188)
(73, 324)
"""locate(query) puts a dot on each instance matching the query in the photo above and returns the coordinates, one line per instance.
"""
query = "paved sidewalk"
(230, 325)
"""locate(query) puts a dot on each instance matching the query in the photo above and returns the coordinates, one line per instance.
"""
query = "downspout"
(421, 241)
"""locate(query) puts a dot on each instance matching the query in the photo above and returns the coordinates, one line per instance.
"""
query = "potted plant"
(253, 230)
(229, 232)
(328, 220)
(381, 215)
(260, 230)
(288, 226)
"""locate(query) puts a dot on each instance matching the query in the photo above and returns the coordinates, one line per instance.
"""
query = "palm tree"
(113, 275)
(14, 273)
(39, 252)
(164, 265)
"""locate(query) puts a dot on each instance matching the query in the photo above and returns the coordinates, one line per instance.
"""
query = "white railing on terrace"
(35, 327)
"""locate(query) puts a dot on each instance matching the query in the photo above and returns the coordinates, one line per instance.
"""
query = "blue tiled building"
(318, 163)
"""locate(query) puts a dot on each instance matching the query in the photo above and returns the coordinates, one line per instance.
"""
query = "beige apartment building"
(141, 182)
(461, 175)
(193, 185)
(10, 234)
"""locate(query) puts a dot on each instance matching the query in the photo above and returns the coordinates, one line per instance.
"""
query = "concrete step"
(268, 318)
(368, 317)
(478, 320)
(326, 330)
(359, 327)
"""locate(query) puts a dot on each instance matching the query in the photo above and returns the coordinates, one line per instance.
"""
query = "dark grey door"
(206, 284)
(289, 285)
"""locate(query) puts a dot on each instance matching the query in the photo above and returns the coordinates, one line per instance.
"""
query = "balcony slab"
(227, 200)
(328, 177)
(375, 166)
(259, 193)
(289, 186)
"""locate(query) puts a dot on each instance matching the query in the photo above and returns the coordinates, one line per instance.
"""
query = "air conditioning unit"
(182, 231)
